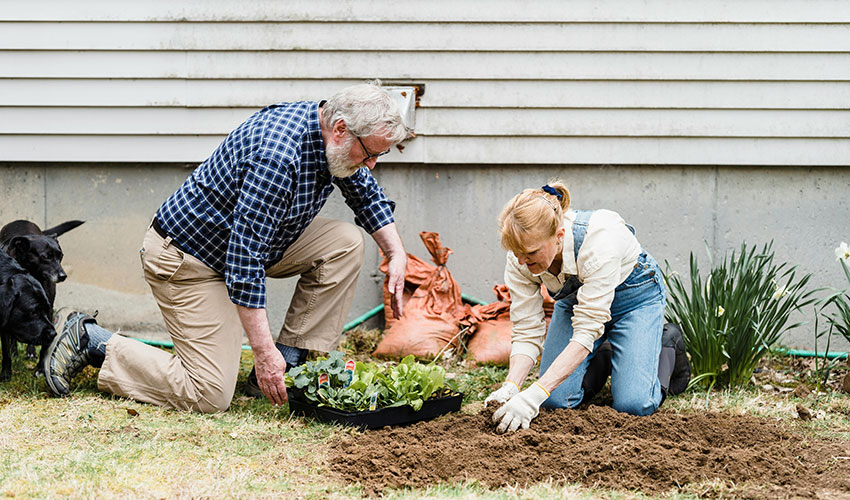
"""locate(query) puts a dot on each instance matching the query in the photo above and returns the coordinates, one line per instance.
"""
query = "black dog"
(25, 314)
(39, 253)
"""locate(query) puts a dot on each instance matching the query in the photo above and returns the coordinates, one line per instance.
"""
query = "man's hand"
(389, 242)
(505, 392)
(270, 367)
(520, 409)
(268, 361)
(396, 271)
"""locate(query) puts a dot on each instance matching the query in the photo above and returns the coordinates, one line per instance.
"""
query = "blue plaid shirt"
(254, 196)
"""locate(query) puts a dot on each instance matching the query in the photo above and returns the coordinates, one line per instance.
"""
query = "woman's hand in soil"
(505, 392)
(520, 409)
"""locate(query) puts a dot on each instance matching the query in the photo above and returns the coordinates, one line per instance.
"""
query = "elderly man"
(247, 213)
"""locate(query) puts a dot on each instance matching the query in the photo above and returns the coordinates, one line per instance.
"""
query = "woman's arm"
(563, 366)
(520, 366)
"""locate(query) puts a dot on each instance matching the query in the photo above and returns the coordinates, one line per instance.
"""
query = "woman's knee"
(562, 399)
(635, 405)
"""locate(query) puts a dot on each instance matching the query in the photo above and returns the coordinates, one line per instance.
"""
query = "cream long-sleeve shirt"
(607, 256)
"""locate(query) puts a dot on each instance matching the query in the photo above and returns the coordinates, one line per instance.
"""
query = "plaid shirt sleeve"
(262, 201)
(372, 209)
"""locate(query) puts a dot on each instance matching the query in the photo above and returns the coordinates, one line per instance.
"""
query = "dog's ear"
(18, 246)
(62, 228)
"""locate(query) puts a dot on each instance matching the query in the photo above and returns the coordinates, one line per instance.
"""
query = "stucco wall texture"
(675, 209)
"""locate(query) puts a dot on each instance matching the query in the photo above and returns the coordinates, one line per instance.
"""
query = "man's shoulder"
(283, 127)
(288, 113)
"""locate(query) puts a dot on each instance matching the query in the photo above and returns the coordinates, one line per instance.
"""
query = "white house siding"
(106, 105)
(546, 82)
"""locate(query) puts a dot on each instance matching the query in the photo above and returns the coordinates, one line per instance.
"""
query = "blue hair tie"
(549, 189)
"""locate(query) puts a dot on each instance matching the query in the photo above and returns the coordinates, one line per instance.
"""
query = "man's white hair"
(367, 109)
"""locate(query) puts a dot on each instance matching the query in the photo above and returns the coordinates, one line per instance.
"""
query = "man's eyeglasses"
(369, 155)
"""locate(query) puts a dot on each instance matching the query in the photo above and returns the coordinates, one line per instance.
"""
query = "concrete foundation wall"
(676, 210)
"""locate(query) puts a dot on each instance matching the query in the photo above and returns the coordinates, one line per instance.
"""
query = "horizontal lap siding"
(753, 83)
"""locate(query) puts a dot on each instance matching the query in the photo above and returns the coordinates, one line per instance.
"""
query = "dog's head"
(40, 255)
(27, 310)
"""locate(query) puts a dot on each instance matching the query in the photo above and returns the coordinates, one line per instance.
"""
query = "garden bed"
(707, 454)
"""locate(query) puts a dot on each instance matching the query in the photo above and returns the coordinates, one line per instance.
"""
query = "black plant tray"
(398, 415)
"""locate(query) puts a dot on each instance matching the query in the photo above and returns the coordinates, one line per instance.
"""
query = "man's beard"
(339, 159)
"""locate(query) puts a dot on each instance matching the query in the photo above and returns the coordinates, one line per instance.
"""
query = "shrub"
(734, 317)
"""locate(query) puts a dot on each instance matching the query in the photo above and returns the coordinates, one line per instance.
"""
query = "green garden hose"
(348, 326)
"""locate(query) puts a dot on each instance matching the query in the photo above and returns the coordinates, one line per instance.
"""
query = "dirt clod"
(802, 392)
(803, 412)
(597, 446)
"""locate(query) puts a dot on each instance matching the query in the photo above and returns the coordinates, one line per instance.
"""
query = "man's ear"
(339, 128)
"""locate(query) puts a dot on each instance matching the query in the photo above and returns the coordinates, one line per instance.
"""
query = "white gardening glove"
(520, 409)
(507, 391)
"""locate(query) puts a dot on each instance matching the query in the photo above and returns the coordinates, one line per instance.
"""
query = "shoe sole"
(46, 367)
(63, 314)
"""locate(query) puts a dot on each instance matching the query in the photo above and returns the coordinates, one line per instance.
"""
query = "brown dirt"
(750, 457)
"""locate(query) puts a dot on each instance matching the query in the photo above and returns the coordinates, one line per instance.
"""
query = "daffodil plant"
(731, 318)
(841, 319)
(837, 321)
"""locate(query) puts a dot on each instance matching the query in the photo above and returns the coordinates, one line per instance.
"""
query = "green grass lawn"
(92, 445)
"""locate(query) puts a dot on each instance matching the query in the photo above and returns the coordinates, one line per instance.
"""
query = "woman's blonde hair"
(532, 215)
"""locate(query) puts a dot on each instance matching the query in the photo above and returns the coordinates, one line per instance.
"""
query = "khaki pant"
(205, 327)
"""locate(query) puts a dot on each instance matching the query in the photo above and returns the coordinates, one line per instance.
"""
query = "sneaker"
(67, 354)
(252, 387)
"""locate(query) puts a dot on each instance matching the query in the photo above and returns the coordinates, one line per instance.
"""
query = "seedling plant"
(366, 386)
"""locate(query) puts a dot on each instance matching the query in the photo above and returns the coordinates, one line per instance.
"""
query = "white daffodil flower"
(843, 252)
(720, 311)
(778, 291)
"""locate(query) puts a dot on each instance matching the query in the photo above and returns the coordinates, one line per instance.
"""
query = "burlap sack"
(491, 328)
(416, 273)
(431, 317)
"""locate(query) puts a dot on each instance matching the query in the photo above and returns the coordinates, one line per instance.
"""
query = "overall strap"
(580, 229)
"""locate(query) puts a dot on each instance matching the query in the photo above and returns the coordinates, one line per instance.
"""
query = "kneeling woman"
(605, 286)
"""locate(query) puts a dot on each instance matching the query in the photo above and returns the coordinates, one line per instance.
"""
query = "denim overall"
(634, 332)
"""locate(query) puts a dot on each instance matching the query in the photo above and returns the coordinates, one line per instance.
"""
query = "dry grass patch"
(91, 445)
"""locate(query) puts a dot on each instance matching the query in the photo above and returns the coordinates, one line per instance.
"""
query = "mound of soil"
(600, 447)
